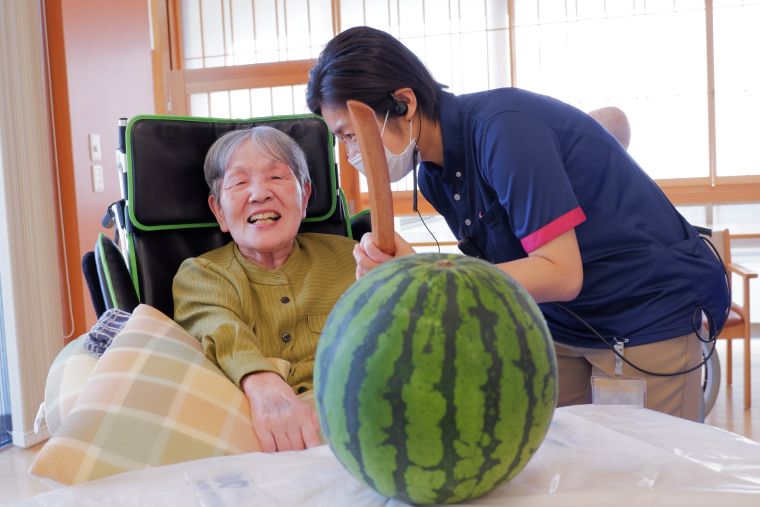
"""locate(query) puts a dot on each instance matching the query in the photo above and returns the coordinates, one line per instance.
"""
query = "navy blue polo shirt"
(520, 169)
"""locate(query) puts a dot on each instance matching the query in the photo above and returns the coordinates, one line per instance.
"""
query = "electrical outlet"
(95, 152)
(97, 178)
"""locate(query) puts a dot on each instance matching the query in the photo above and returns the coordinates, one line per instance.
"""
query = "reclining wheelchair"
(163, 217)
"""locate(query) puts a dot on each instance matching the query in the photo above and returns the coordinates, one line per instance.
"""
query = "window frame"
(173, 86)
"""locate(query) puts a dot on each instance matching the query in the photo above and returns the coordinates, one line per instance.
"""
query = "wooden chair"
(738, 323)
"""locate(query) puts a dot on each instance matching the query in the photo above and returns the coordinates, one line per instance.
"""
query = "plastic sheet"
(592, 456)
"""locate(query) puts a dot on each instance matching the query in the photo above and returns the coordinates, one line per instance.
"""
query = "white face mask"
(399, 164)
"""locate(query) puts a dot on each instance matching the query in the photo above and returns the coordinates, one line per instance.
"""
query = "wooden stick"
(376, 170)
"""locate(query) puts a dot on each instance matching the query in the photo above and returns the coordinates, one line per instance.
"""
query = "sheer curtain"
(5, 398)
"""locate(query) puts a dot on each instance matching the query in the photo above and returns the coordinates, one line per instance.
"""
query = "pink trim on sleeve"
(553, 229)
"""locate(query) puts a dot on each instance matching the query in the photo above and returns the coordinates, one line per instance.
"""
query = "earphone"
(398, 107)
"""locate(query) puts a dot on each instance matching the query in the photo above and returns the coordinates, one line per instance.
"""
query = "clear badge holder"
(618, 390)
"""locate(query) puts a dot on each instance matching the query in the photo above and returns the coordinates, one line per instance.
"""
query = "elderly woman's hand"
(281, 420)
(368, 255)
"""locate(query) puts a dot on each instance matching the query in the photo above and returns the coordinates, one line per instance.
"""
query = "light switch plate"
(97, 178)
(96, 154)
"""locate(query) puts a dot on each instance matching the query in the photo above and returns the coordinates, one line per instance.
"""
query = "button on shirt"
(520, 169)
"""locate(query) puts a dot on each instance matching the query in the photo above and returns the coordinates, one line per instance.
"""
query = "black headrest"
(166, 186)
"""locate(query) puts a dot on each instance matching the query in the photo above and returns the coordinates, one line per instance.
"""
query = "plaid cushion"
(65, 381)
(152, 399)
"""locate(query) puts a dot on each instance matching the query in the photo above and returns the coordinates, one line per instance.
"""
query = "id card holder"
(619, 390)
(629, 391)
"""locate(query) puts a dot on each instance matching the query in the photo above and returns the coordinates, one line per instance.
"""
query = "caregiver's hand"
(368, 255)
(281, 420)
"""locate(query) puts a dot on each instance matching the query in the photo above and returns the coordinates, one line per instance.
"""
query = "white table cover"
(592, 456)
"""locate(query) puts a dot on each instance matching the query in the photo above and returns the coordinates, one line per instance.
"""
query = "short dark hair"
(368, 65)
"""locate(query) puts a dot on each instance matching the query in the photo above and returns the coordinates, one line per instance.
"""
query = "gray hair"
(273, 143)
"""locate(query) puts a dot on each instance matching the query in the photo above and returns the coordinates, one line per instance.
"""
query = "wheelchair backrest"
(167, 218)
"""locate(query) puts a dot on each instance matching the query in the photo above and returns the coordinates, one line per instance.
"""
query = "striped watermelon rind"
(435, 378)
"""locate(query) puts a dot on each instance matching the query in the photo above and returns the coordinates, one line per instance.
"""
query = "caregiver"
(544, 192)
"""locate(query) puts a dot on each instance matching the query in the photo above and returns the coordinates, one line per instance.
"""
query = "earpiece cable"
(414, 200)
(696, 323)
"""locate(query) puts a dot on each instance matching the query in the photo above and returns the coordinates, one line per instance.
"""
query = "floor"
(15, 481)
(728, 414)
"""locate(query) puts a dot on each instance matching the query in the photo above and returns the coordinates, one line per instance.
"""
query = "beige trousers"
(680, 396)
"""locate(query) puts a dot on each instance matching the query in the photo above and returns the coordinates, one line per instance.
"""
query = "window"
(463, 43)
(220, 33)
(226, 33)
(595, 53)
(427, 234)
(250, 102)
(5, 395)
(737, 86)
(681, 69)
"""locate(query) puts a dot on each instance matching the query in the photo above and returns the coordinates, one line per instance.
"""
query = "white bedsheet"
(592, 456)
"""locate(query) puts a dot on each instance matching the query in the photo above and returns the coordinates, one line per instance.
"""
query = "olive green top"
(243, 313)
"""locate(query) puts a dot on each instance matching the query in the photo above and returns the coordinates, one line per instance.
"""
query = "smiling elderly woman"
(267, 293)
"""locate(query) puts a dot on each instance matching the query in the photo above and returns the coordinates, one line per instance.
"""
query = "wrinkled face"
(260, 203)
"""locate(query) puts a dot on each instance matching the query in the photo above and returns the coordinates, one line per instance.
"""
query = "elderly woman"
(264, 297)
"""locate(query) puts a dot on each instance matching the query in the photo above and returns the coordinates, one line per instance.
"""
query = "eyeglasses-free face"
(261, 205)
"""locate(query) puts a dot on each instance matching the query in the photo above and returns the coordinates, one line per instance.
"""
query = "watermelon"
(435, 378)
